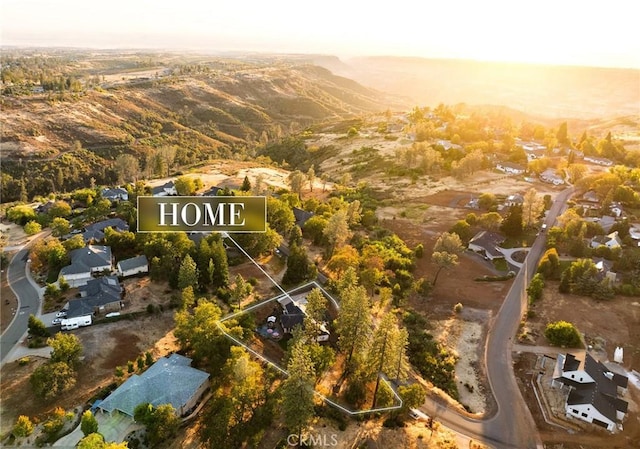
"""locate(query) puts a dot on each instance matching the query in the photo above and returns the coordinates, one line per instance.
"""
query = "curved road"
(512, 425)
(28, 302)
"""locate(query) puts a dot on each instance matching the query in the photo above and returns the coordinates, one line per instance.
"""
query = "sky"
(564, 32)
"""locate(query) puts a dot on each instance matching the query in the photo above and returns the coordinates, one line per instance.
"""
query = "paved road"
(28, 302)
(512, 425)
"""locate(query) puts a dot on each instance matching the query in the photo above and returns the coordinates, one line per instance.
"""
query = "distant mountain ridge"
(546, 91)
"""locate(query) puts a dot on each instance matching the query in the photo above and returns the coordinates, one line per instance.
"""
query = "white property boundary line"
(275, 365)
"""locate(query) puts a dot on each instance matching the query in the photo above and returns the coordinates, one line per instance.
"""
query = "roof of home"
(95, 231)
(163, 188)
(511, 165)
(85, 259)
(96, 293)
(114, 193)
(213, 191)
(301, 216)
(602, 393)
(488, 241)
(289, 321)
(170, 380)
(132, 263)
(517, 198)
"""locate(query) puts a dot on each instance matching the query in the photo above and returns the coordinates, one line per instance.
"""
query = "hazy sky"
(587, 32)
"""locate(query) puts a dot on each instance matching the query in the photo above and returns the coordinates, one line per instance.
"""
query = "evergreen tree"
(246, 184)
(88, 424)
(354, 322)
(299, 268)
(188, 273)
(297, 389)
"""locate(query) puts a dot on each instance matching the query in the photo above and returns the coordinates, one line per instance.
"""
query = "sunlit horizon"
(569, 33)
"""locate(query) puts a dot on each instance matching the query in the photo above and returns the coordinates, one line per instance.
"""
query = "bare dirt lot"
(605, 324)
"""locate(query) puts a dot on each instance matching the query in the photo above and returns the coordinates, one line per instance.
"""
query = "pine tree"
(188, 273)
(297, 390)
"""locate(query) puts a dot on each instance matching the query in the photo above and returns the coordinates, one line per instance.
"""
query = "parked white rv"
(74, 323)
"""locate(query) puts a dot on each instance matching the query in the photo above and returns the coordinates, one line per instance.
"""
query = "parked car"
(56, 321)
(61, 314)
(417, 414)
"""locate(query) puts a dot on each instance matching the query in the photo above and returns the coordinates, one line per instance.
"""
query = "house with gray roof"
(488, 244)
(301, 216)
(116, 194)
(85, 262)
(98, 296)
(95, 232)
(171, 380)
(167, 189)
(133, 266)
(593, 390)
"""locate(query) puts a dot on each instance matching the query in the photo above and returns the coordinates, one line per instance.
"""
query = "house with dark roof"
(167, 189)
(611, 241)
(294, 305)
(95, 232)
(97, 296)
(213, 191)
(115, 194)
(593, 390)
(488, 244)
(301, 216)
(133, 266)
(85, 262)
(171, 380)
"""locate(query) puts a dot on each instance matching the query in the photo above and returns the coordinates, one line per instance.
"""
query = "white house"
(85, 262)
(599, 161)
(487, 243)
(508, 167)
(634, 231)
(133, 266)
(550, 176)
(116, 194)
(514, 200)
(593, 390)
(168, 189)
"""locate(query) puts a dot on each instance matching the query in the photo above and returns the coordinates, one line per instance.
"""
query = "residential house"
(294, 310)
(44, 208)
(634, 232)
(213, 191)
(514, 200)
(611, 241)
(604, 267)
(97, 296)
(95, 232)
(510, 168)
(606, 222)
(301, 216)
(593, 390)
(133, 266)
(85, 262)
(167, 189)
(115, 194)
(598, 160)
(616, 210)
(171, 380)
(550, 176)
(590, 196)
(448, 145)
(488, 244)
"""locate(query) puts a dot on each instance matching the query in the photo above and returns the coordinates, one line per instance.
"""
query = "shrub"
(23, 427)
(457, 308)
(562, 333)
